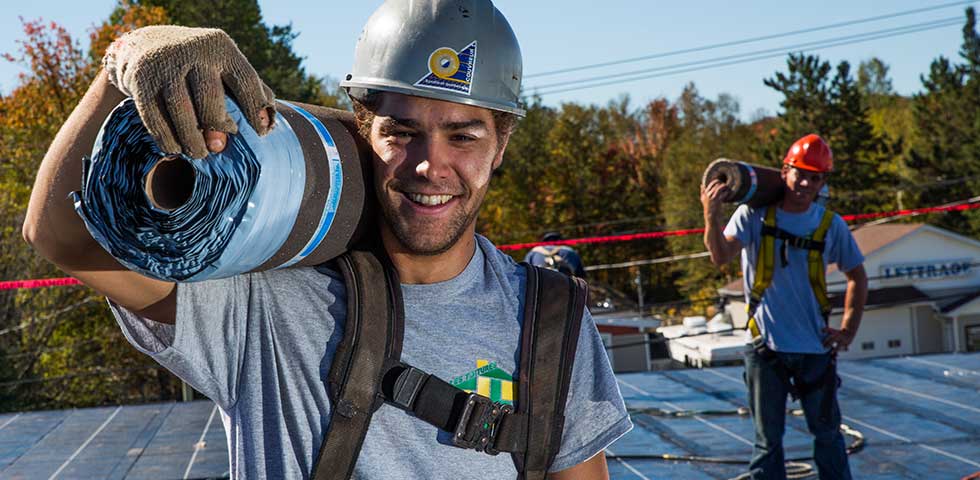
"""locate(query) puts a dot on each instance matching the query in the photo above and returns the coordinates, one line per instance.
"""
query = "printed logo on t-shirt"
(487, 380)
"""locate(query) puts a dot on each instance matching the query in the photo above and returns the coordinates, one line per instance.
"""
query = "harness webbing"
(817, 269)
(553, 307)
(361, 359)
(766, 260)
(367, 372)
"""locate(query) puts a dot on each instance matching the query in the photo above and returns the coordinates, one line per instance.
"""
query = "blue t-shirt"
(260, 345)
(789, 315)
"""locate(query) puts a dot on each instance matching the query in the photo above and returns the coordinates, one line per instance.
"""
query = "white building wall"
(878, 328)
(736, 309)
(927, 244)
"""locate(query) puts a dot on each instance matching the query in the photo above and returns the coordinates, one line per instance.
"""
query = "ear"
(499, 157)
(783, 172)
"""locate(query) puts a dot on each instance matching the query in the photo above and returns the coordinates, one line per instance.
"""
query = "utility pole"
(186, 392)
(639, 288)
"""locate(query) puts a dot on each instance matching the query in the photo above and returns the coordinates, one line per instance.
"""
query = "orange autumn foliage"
(58, 333)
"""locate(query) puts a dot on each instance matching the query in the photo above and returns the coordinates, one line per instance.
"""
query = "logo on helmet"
(450, 70)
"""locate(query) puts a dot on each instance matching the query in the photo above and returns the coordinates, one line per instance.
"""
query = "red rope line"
(914, 211)
(606, 239)
(41, 283)
(57, 282)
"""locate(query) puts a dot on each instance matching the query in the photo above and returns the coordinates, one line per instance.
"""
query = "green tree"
(833, 107)
(510, 213)
(578, 169)
(706, 130)
(268, 48)
(59, 347)
(872, 78)
(891, 119)
(947, 150)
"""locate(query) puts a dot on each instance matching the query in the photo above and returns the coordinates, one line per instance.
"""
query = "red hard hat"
(810, 153)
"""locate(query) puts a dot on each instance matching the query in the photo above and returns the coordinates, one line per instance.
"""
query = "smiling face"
(432, 166)
(801, 187)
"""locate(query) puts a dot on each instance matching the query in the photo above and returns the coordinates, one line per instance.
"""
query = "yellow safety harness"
(765, 263)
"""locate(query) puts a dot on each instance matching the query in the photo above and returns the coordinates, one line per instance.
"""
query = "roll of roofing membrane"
(295, 196)
(752, 184)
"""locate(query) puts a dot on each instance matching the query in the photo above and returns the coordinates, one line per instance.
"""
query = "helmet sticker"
(450, 70)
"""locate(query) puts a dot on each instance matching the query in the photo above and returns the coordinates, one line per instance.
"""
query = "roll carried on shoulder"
(295, 196)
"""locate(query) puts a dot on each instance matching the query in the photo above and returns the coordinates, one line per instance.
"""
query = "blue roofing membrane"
(920, 417)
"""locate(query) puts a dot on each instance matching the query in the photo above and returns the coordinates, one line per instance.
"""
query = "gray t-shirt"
(260, 345)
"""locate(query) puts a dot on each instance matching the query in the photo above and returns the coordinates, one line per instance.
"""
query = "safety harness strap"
(816, 266)
(816, 272)
(553, 308)
(373, 335)
(797, 386)
(764, 266)
(475, 421)
(367, 372)
(766, 259)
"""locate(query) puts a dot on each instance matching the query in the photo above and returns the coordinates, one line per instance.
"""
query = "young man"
(261, 344)
(794, 350)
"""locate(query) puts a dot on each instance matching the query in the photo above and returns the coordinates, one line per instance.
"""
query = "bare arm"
(854, 299)
(721, 247)
(592, 469)
(54, 229)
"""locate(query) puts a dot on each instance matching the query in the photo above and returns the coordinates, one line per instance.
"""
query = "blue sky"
(557, 34)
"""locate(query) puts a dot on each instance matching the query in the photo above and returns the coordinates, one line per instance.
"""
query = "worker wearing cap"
(435, 86)
(785, 248)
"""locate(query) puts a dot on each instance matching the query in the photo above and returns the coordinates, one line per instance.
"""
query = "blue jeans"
(767, 402)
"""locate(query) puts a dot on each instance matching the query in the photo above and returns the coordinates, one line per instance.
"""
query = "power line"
(746, 40)
(652, 261)
(34, 320)
(728, 60)
(834, 194)
(586, 225)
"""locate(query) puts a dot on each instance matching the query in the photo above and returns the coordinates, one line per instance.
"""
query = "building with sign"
(923, 292)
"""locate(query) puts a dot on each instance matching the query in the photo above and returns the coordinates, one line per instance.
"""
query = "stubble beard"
(424, 238)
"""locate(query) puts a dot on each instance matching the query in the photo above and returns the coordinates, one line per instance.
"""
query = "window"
(894, 343)
(868, 346)
(973, 338)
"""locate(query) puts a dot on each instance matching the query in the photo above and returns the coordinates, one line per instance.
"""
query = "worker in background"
(785, 248)
(556, 257)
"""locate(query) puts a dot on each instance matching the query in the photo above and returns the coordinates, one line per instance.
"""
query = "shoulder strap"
(373, 334)
(816, 267)
(764, 266)
(765, 263)
(366, 372)
(553, 308)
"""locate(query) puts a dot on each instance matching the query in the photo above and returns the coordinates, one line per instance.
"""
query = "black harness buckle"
(407, 387)
(479, 424)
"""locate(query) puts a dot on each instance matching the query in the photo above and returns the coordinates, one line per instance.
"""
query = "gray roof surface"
(920, 417)
(632, 319)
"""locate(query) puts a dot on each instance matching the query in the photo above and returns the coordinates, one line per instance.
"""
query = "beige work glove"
(177, 76)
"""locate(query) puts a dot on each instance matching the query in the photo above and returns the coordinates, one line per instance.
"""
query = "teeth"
(430, 200)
